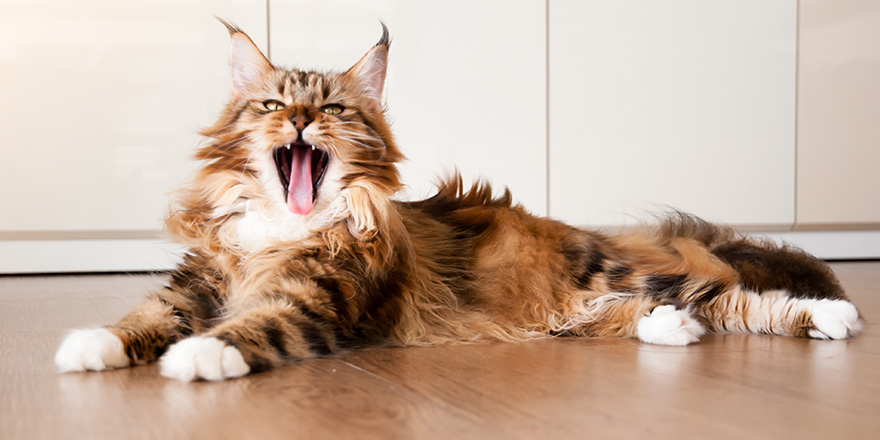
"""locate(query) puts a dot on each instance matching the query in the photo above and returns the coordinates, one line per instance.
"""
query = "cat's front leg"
(93, 349)
(136, 339)
(188, 305)
(276, 330)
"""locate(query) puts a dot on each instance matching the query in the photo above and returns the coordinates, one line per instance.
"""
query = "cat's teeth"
(287, 146)
(313, 148)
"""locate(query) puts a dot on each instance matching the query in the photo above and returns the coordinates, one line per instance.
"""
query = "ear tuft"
(386, 37)
(229, 26)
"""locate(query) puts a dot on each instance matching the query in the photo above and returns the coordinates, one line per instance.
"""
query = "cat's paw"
(92, 349)
(667, 325)
(202, 358)
(834, 319)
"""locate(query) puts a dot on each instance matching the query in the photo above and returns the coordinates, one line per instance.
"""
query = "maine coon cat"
(297, 250)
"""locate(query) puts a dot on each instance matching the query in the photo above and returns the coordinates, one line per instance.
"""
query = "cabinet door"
(466, 83)
(839, 114)
(684, 103)
(101, 103)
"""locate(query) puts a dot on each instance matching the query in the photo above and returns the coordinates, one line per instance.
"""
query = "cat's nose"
(300, 122)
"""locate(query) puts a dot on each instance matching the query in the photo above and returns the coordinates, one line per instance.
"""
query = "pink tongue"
(299, 196)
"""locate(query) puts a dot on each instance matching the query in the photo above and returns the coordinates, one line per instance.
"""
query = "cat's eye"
(332, 109)
(273, 106)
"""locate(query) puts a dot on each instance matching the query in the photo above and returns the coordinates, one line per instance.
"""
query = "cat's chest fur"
(256, 230)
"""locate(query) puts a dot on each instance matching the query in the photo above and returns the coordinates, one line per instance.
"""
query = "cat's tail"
(761, 264)
(779, 288)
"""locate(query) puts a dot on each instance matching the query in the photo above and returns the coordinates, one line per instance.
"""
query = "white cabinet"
(839, 114)
(685, 103)
(101, 103)
(466, 83)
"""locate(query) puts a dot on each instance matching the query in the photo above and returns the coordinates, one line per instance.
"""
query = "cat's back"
(488, 249)
(474, 216)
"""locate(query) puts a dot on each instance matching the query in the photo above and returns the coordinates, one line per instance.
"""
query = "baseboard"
(67, 256)
(833, 245)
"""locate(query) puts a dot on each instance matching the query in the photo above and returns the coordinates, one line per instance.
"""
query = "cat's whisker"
(371, 144)
(354, 133)
(365, 126)
(365, 145)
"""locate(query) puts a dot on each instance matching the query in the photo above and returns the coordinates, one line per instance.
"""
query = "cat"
(298, 250)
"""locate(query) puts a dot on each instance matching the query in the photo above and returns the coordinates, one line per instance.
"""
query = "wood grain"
(727, 386)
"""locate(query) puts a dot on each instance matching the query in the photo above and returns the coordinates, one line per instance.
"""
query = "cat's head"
(304, 143)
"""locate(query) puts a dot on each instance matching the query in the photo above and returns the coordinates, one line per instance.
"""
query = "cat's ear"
(370, 71)
(246, 63)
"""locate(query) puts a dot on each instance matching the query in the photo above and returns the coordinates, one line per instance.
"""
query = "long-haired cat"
(297, 250)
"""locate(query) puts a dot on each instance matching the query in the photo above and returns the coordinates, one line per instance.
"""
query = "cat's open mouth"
(301, 168)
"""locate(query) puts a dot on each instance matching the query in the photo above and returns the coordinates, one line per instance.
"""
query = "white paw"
(202, 358)
(93, 349)
(834, 319)
(668, 326)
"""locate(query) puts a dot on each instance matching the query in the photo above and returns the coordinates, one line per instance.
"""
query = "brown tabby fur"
(461, 266)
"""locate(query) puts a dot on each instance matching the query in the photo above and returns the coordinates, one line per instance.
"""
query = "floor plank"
(727, 386)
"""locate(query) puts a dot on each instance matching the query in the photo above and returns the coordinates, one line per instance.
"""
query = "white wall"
(101, 104)
(685, 103)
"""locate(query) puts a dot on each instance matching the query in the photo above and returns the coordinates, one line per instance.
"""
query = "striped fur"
(462, 266)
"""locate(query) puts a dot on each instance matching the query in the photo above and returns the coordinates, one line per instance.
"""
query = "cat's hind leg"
(781, 290)
(667, 325)
(780, 313)
(639, 316)
(834, 319)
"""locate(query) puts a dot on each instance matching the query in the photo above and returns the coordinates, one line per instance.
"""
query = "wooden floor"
(727, 386)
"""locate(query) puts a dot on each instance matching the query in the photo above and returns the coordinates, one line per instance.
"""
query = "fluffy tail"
(762, 265)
